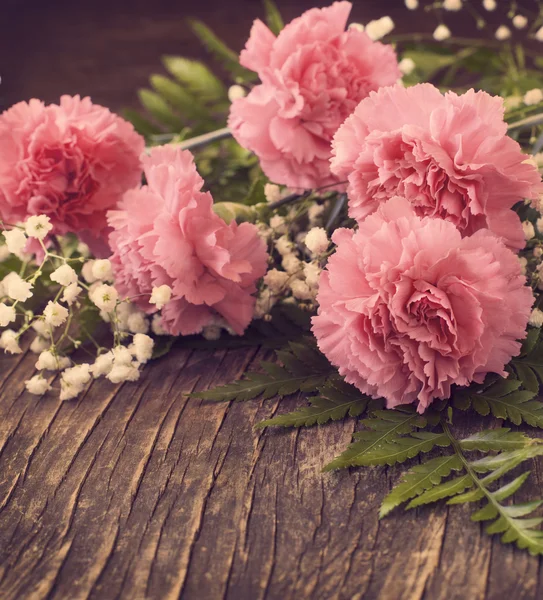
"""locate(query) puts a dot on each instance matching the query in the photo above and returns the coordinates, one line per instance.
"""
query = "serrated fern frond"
(303, 368)
(528, 366)
(388, 438)
(504, 399)
(336, 400)
(423, 484)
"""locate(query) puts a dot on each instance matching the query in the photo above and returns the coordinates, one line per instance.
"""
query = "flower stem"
(206, 138)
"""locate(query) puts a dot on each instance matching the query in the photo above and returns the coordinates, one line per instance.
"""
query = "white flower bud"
(412, 4)
(272, 192)
(160, 296)
(7, 314)
(312, 273)
(121, 373)
(276, 280)
(47, 360)
(87, 273)
(122, 356)
(9, 341)
(532, 97)
(137, 322)
(452, 5)
(379, 28)
(407, 66)
(528, 229)
(317, 240)
(520, 21)
(38, 226)
(502, 33)
(15, 240)
(101, 270)
(16, 288)
(104, 297)
(64, 275)
(277, 223)
(37, 385)
(300, 290)
(142, 347)
(235, 92)
(291, 264)
(539, 34)
(441, 33)
(102, 365)
(157, 327)
(71, 293)
(55, 314)
(38, 345)
(489, 5)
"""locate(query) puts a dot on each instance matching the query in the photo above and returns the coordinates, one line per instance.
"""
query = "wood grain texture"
(137, 492)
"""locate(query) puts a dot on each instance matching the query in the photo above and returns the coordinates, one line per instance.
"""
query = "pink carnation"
(167, 233)
(313, 75)
(408, 307)
(70, 162)
(448, 155)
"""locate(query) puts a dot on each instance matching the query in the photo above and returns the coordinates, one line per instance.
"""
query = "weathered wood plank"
(136, 491)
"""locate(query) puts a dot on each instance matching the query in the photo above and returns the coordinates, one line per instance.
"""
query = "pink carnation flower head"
(71, 162)
(449, 155)
(313, 75)
(408, 307)
(166, 233)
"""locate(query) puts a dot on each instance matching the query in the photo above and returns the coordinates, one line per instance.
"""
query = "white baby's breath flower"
(83, 249)
(122, 356)
(538, 252)
(104, 297)
(55, 314)
(101, 270)
(520, 21)
(264, 303)
(277, 223)
(120, 373)
(300, 290)
(142, 347)
(536, 318)
(87, 273)
(502, 33)
(9, 341)
(157, 327)
(357, 26)
(102, 365)
(7, 314)
(160, 296)
(291, 264)
(317, 240)
(77, 375)
(39, 344)
(16, 288)
(64, 275)
(47, 360)
(15, 240)
(284, 246)
(276, 280)
(312, 273)
(412, 4)
(441, 33)
(452, 5)
(489, 5)
(532, 97)
(71, 293)
(379, 28)
(539, 225)
(539, 34)
(523, 264)
(38, 226)
(137, 322)
(407, 66)
(272, 192)
(37, 385)
(314, 213)
(41, 328)
(235, 92)
(528, 229)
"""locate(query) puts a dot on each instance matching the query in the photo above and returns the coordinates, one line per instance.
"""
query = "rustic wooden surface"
(137, 492)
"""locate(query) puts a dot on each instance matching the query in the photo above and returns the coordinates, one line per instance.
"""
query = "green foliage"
(196, 77)
(424, 484)
(503, 399)
(389, 438)
(303, 368)
(528, 367)
(227, 57)
(160, 110)
(336, 400)
(273, 17)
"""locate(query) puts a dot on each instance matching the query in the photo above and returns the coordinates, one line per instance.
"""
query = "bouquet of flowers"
(378, 228)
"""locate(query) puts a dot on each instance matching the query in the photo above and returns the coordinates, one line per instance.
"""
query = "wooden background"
(137, 492)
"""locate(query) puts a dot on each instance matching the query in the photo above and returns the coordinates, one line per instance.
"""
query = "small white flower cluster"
(378, 28)
(71, 293)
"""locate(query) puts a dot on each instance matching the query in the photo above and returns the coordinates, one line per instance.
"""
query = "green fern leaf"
(303, 370)
(160, 109)
(222, 53)
(140, 123)
(420, 478)
(273, 17)
(528, 366)
(335, 401)
(495, 439)
(444, 490)
(504, 400)
(177, 96)
(380, 443)
(196, 77)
